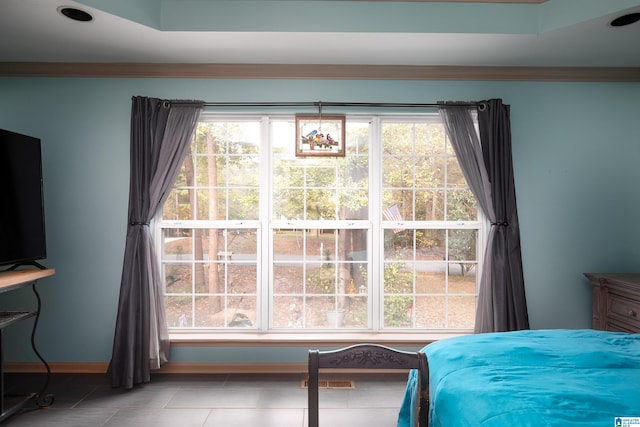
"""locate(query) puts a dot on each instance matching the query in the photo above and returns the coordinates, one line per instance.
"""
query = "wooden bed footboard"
(369, 356)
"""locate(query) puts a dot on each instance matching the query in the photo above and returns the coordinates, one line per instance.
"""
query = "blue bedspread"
(531, 378)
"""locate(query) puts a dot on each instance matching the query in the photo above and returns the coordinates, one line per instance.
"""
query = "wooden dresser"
(616, 301)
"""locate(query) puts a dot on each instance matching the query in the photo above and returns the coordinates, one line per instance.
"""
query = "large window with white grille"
(387, 238)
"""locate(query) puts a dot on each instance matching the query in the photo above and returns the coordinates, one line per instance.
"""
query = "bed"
(531, 378)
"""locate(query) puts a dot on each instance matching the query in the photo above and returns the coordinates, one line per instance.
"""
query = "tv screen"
(22, 230)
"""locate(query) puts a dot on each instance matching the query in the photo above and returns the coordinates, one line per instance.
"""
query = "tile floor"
(87, 400)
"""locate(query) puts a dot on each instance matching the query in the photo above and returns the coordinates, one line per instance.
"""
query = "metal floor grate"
(332, 384)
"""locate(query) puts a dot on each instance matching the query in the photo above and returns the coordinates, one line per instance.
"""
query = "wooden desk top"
(12, 279)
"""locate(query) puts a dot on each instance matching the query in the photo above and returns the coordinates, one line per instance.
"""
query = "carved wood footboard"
(369, 356)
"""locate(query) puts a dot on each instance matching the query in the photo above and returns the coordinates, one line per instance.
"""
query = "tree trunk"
(199, 276)
(344, 275)
(215, 270)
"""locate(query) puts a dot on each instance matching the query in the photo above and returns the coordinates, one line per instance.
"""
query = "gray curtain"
(160, 135)
(486, 161)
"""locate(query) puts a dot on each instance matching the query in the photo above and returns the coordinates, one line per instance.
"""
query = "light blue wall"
(576, 148)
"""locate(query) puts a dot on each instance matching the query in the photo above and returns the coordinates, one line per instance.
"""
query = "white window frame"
(264, 226)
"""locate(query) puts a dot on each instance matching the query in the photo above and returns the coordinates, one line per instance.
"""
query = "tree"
(214, 282)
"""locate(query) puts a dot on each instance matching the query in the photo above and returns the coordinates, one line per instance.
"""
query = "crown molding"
(317, 71)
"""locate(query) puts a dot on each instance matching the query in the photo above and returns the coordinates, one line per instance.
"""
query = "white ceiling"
(554, 33)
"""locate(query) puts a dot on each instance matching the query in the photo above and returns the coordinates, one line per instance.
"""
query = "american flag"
(392, 213)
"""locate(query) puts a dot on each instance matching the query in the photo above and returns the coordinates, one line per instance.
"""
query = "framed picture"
(319, 135)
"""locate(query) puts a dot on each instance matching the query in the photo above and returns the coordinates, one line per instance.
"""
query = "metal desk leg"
(42, 400)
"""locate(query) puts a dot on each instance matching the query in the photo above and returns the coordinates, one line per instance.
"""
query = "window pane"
(207, 170)
(288, 312)
(398, 278)
(356, 312)
(398, 245)
(241, 312)
(462, 245)
(178, 278)
(288, 279)
(431, 244)
(288, 244)
(429, 172)
(321, 313)
(282, 134)
(353, 188)
(223, 156)
(321, 279)
(179, 311)
(402, 199)
(353, 204)
(433, 142)
(288, 204)
(398, 171)
(244, 204)
(319, 175)
(430, 205)
(461, 312)
(431, 277)
(320, 204)
(422, 181)
(463, 283)
(287, 171)
(357, 141)
(430, 312)
(177, 243)
(398, 311)
(306, 264)
(461, 206)
(177, 205)
(205, 315)
(244, 171)
(217, 270)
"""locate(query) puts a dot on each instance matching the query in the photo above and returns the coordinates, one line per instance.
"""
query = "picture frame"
(320, 136)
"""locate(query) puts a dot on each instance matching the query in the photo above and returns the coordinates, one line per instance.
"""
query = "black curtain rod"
(320, 104)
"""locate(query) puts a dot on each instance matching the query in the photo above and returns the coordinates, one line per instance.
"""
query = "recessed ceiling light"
(627, 19)
(75, 14)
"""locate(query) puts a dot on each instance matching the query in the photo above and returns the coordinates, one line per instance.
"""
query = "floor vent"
(332, 384)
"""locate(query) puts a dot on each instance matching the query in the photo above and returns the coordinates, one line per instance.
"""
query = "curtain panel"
(486, 162)
(161, 132)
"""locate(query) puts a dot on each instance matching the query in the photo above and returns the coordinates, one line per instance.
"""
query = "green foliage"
(461, 205)
(397, 311)
(462, 247)
(358, 313)
(318, 188)
(397, 281)
(224, 168)
(322, 281)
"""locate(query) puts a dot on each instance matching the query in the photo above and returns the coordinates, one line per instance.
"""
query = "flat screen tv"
(22, 229)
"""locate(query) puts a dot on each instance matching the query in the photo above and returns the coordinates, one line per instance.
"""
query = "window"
(387, 238)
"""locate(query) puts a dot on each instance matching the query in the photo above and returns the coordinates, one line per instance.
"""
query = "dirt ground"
(431, 309)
